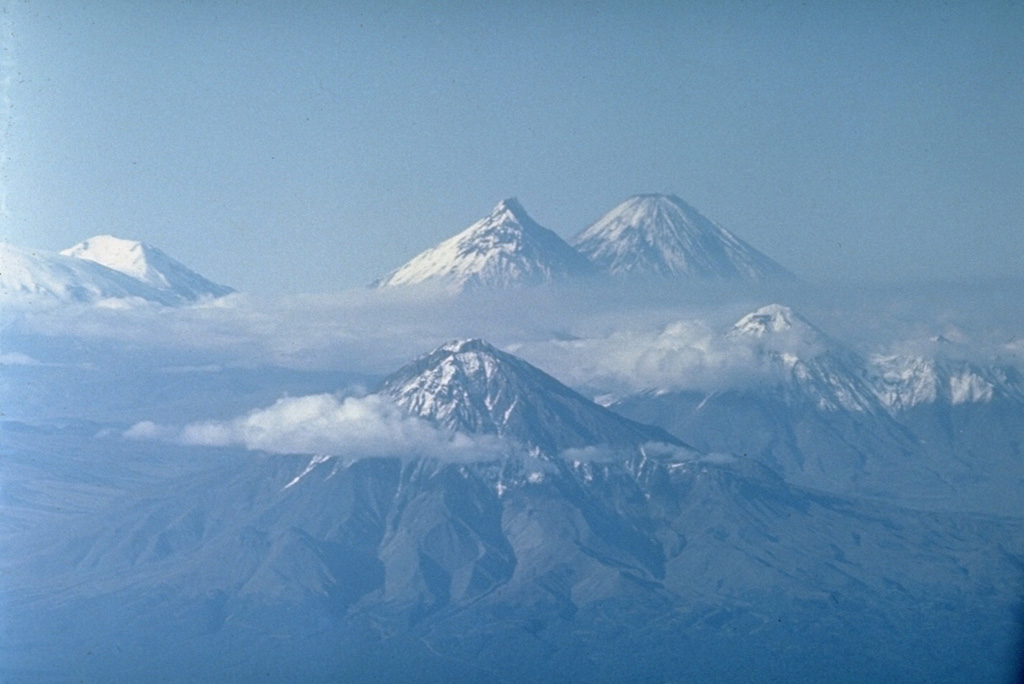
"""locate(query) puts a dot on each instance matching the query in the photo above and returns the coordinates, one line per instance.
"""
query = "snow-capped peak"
(127, 256)
(661, 235)
(468, 345)
(35, 276)
(509, 208)
(773, 318)
(148, 265)
(506, 248)
(810, 365)
(470, 386)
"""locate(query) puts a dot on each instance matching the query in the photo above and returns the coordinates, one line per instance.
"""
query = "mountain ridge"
(468, 385)
(649, 236)
(507, 248)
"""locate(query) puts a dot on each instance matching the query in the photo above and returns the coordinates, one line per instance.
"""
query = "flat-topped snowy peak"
(507, 248)
(35, 274)
(661, 235)
(470, 386)
(148, 265)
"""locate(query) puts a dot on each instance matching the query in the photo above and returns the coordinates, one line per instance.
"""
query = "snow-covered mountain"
(812, 414)
(36, 275)
(505, 249)
(100, 269)
(810, 365)
(661, 235)
(836, 378)
(900, 428)
(905, 381)
(147, 264)
(179, 562)
(470, 386)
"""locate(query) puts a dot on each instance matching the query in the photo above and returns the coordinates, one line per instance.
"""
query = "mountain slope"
(148, 265)
(33, 275)
(812, 415)
(926, 432)
(376, 568)
(505, 249)
(469, 386)
(904, 381)
(661, 235)
(810, 365)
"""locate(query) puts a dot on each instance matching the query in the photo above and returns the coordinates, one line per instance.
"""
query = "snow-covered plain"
(777, 484)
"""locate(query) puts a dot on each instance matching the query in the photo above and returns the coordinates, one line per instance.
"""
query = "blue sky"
(309, 147)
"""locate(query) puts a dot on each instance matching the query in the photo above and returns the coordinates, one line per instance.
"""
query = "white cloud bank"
(325, 424)
(686, 354)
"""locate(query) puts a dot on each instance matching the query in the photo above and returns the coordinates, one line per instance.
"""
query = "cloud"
(684, 354)
(147, 429)
(326, 424)
(598, 339)
(17, 359)
(606, 453)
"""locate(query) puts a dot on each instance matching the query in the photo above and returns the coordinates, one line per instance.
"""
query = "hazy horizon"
(316, 148)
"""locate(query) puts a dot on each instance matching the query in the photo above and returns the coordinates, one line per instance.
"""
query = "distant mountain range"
(645, 237)
(897, 427)
(102, 268)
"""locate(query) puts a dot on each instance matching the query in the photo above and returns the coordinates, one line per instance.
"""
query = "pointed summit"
(809, 365)
(470, 386)
(511, 208)
(663, 236)
(774, 318)
(148, 265)
(505, 249)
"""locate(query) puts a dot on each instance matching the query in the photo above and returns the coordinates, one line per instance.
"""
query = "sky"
(312, 147)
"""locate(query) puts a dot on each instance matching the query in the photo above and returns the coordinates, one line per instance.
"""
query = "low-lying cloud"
(686, 354)
(603, 341)
(367, 426)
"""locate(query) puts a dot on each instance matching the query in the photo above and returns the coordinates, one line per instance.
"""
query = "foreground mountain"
(148, 265)
(661, 235)
(469, 386)
(102, 269)
(174, 564)
(505, 249)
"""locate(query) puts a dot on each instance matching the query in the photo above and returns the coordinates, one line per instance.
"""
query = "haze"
(315, 147)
